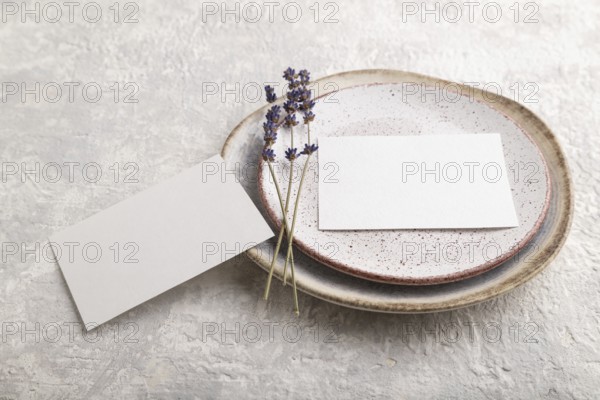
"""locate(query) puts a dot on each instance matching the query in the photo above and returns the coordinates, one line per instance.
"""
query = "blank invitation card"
(414, 182)
(157, 239)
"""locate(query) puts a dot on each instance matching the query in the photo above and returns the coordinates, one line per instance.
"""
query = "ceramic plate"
(243, 147)
(414, 257)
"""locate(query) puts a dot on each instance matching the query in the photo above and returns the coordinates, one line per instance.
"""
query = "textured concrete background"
(213, 336)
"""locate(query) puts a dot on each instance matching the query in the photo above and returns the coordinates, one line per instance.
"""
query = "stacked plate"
(414, 270)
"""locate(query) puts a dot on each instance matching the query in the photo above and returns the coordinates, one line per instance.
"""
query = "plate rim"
(553, 244)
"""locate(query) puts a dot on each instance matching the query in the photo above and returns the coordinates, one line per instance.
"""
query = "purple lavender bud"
(289, 74)
(294, 95)
(304, 76)
(305, 94)
(292, 154)
(306, 105)
(270, 127)
(294, 84)
(270, 92)
(290, 120)
(270, 138)
(273, 115)
(290, 107)
(308, 117)
(268, 154)
(309, 149)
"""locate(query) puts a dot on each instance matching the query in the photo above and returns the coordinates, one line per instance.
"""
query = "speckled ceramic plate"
(413, 257)
(313, 277)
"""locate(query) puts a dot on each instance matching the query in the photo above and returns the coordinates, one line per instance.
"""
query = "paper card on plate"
(420, 182)
(156, 240)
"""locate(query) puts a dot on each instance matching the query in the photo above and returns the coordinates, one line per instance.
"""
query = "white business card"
(414, 182)
(156, 240)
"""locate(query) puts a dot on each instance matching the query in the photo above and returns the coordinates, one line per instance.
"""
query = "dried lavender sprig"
(284, 226)
(291, 156)
(269, 156)
(291, 237)
(298, 99)
(270, 93)
(308, 118)
(309, 149)
(271, 126)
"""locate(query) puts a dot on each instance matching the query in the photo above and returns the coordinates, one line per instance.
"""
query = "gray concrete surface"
(213, 336)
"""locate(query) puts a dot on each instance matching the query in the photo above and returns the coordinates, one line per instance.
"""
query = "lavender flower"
(292, 154)
(298, 98)
(290, 107)
(268, 154)
(270, 92)
(294, 84)
(304, 76)
(270, 138)
(273, 115)
(305, 94)
(290, 120)
(308, 117)
(306, 105)
(309, 149)
(289, 74)
(294, 95)
(269, 127)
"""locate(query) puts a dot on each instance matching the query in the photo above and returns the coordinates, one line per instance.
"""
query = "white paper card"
(157, 239)
(420, 182)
